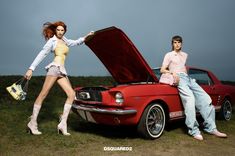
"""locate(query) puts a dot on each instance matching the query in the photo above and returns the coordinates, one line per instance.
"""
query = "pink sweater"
(175, 61)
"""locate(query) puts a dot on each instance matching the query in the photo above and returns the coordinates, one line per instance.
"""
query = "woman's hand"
(28, 74)
(89, 34)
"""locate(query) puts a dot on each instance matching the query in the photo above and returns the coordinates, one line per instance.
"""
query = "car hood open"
(119, 55)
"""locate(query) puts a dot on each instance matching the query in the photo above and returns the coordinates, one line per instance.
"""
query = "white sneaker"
(198, 137)
(219, 134)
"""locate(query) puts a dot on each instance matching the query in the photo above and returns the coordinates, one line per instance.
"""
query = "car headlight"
(119, 98)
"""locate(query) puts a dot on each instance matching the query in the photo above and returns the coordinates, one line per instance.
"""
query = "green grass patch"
(88, 138)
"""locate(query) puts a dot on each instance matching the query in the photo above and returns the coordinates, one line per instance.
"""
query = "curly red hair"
(49, 29)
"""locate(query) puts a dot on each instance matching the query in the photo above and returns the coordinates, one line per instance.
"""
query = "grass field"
(91, 139)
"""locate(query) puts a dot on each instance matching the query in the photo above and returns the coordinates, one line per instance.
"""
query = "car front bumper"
(105, 111)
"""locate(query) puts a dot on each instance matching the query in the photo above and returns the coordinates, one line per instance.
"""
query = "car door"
(203, 79)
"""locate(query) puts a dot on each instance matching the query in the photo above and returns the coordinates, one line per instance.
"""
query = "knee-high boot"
(62, 127)
(32, 125)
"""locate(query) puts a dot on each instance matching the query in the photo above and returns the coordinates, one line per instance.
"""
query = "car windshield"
(200, 76)
(157, 72)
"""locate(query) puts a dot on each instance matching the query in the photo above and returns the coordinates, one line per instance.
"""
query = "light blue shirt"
(50, 46)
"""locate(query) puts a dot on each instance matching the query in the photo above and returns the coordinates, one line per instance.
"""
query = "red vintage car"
(138, 98)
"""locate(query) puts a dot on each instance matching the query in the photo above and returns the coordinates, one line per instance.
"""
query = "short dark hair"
(176, 38)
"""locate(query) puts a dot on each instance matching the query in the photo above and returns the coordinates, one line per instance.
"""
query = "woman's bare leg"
(48, 83)
(66, 86)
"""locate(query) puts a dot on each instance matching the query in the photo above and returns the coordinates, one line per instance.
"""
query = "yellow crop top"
(61, 52)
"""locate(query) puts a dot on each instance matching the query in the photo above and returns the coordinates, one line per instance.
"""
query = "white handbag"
(18, 90)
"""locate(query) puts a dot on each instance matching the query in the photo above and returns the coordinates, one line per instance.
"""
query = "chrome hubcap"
(155, 120)
(227, 110)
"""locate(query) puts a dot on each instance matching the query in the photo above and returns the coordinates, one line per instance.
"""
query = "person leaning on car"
(192, 95)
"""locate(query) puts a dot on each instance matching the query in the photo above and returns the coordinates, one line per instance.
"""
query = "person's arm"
(79, 41)
(164, 69)
(165, 64)
(41, 55)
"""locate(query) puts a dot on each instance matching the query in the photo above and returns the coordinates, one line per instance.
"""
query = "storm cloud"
(207, 28)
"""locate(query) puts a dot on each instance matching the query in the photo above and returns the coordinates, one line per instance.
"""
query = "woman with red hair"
(59, 45)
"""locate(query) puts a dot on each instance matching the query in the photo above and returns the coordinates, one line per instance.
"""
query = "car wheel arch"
(163, 104)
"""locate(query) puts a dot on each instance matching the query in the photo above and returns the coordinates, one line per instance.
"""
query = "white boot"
(32, 125)
(62, 127)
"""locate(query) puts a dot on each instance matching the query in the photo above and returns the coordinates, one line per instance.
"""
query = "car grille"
(90, 94)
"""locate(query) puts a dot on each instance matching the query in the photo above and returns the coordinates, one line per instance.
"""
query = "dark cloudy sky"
(207, 27)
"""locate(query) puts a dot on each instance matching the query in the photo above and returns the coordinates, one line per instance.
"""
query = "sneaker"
(219, 134)
(198, 137)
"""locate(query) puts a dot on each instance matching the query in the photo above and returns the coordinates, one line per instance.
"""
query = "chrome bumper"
(105, 111)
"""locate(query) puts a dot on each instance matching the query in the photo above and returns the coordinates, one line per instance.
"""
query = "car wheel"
(226, 110)
(152, 122)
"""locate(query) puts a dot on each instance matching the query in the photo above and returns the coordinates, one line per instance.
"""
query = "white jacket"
(50, 46)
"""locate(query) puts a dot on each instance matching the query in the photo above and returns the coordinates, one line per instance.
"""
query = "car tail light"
(119, 98)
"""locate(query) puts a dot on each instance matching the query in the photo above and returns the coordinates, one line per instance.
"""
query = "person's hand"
(28, 74)
(176, 79)
(89, 34)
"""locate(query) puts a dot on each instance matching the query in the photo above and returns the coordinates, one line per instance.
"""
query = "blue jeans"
(194, 97)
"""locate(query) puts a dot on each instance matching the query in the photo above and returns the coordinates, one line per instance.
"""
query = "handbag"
(18, 90)
(169, 79)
